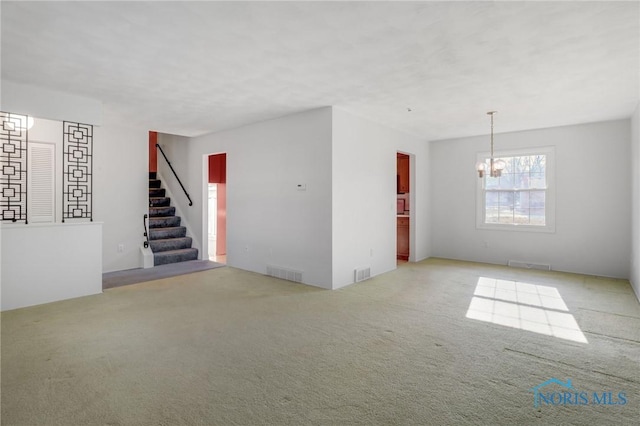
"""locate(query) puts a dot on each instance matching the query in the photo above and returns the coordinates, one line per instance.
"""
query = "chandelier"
(494, 167)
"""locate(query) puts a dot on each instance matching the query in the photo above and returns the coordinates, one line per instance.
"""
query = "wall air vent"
(529, 265)
(361, 274)
(284, 273)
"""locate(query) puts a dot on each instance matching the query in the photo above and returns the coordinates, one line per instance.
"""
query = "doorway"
(403, 207)
(217, 208)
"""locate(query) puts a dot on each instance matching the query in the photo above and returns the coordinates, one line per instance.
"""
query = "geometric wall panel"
(77, 166)
(13, 167)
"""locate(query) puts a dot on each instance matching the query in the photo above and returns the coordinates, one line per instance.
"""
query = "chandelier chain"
(495, 166)
(492, 135)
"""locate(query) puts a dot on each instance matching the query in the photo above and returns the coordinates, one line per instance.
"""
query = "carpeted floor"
(228, 347)
(140, 275)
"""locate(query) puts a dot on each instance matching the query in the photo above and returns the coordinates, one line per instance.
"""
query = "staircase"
(168, 240)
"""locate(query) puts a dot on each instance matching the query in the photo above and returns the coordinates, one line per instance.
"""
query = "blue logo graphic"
(570, 396)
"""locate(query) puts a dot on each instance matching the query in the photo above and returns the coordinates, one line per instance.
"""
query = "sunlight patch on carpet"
(531, 307)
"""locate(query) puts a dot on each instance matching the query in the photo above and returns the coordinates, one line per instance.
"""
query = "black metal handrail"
(146, 233)
(174, 173)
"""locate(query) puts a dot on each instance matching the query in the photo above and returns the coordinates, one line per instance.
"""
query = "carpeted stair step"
(173, 256)
(167, 239)
(159, 201)
(162, 211)
(170, 244)
(168, 232)
(164, 221)
(156, 192)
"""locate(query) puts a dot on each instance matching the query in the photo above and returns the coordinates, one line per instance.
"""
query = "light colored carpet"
(228, 347)
(140, 275)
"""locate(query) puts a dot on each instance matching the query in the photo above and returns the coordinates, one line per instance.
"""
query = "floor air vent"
(284, 274)
(529, 265)
(362, 274)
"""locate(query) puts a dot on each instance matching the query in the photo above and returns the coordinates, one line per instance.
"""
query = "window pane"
(506, 214)
(509, 165)
(517, 197)
(537, 180)
(537, 171)
(491, 182)
(521, 181)
(538, 163)
(538, 217)
(506, 207)
(522, 164)
(536, 199)
(492, 199)
(521, 216)
(506, 198)
(506, 181)
(491, 215)
(523, 200)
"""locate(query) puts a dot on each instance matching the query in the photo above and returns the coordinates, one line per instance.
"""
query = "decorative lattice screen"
(13, 167)
(77, 169)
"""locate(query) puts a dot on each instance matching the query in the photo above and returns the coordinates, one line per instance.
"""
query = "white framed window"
(523, 197)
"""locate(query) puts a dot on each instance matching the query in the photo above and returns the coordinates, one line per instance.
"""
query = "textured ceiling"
(196, 67)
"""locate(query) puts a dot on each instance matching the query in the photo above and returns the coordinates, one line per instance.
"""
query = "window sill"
(548, 229)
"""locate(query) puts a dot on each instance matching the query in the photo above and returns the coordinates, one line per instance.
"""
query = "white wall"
(269, 222)
(120, 190)
(593, 206)
(364, 196)
(635, 199)
(420, 247)
(120, 181)
(44, 263)
(49, 104)
(120, 164)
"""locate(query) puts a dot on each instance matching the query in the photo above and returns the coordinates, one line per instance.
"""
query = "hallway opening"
(217, 208)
